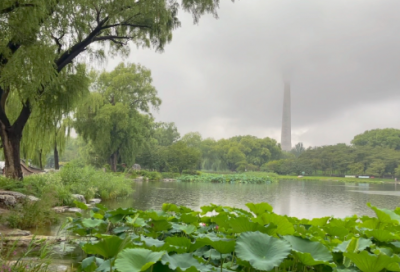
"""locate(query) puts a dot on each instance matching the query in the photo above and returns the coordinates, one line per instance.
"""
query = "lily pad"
(137, 259)
(262, 251)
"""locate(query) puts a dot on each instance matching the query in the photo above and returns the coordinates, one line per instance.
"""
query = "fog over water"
(225, 77)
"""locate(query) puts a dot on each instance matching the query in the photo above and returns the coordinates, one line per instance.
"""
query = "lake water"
(302, 199)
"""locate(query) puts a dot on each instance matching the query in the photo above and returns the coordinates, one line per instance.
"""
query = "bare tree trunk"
(11, 147)
(56, 161)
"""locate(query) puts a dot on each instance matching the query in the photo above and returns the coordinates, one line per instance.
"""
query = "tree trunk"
(113, 161)
(56, 162)
(11, 147)
(40, 159)
(11, 138)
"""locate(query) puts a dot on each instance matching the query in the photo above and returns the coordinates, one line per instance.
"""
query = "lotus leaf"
(91, 223)
(309, 253)
(262, 251)
(107, 248)
(385, 215)
(259, 208)
(362, 244)
(136, 259)
(184, 262)
(367, 262)
(177, 244)
(151, 242)
(283, 225)
(382, 235)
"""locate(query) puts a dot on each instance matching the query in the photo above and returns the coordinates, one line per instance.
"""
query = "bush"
(170, 175)
(32, 214)
(191, 172)
(150, 175)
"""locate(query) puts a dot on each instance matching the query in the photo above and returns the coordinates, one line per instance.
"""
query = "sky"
(224, 77)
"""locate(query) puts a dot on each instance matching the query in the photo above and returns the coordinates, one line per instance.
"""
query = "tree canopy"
(114, 118)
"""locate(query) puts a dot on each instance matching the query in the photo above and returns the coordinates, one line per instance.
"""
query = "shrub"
(191, 172)
(169, 175)
(31, 214)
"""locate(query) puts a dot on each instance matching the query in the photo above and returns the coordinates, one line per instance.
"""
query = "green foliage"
(12, 258)
(180, 239)
(170, 175)
(388, 137)
(232, 178)
(72, 179)
(32, 214)
(150, 175)
(112, 117)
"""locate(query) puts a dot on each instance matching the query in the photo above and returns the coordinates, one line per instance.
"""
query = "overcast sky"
(224, 77)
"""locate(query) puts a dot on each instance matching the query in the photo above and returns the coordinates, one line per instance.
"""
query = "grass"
(310, 178)
(341, 179)
(72, 179)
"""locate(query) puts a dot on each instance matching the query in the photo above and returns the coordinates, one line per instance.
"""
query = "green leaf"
(262, 251)
(177, 244)
(385, 215)
(80, 205)
(243, 224)
(184, 262)
(283, 225)
(189, 229)
(108, 247)
(368, 262)
(259, 208)
(151, 242)
(136, 259)
(189, 218)
(382, 235)
(362, 244)
(91, 223)
(222, 245)
(309, 253)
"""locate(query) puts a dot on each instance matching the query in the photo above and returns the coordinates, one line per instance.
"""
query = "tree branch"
(14, 7)
(57, 40)
(125, 24)
(75, 50)
(22, 118)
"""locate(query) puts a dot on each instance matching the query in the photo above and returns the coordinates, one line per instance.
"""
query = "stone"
(60, 209)
(7, 200)
(74, 210)
(94, 201)
(18, 232)
(32, 198)
(18, 196)
(80, 198)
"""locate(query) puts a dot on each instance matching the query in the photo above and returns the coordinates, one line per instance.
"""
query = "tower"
(286, 136)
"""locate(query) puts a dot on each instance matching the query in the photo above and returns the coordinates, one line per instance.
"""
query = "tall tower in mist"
(286, 136)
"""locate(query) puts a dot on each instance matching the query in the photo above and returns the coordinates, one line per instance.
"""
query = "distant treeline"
(375, 153)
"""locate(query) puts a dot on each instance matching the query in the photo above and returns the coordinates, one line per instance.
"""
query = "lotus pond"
(221, 238)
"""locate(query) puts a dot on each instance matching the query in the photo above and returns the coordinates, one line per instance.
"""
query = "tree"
(181, 157)
(165, 133)
(111, 118)
(42, 39)
(298, 149)
(388, 137)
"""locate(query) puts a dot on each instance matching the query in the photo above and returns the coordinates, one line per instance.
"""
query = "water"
(302, 199)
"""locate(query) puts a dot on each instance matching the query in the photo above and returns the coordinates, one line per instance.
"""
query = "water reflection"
(303, 199)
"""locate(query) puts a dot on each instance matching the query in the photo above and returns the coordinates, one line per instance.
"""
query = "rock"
(80, 198)
(74, 210)
(32, 198)
(18, 196)
(94, 201)
(7, 200)
(60, 209)
(18, 232)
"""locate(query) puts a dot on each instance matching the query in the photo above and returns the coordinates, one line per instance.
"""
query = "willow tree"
(115, 117)
(42, 39)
